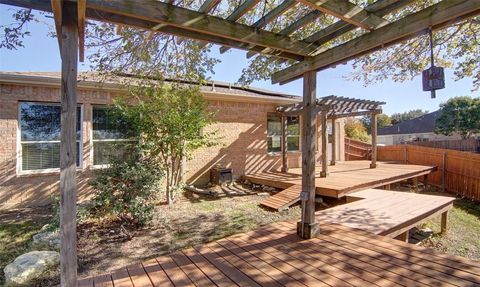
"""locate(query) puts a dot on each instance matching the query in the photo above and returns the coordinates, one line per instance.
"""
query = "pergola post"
(68, 134)
(334, 143)
(307, 227)
(284, 144)
(323, 116)
(374, 139)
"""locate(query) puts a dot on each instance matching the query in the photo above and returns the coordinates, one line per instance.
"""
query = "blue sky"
(41, 54)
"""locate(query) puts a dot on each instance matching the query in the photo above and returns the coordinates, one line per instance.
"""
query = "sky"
(41, 53)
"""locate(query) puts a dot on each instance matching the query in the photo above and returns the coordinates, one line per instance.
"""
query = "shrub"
(126, 189)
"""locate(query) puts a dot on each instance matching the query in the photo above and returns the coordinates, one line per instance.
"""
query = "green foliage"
(383, 120)
(459, 115)
(126, 189)
(400, 117)
(354, 129)
(171, 121)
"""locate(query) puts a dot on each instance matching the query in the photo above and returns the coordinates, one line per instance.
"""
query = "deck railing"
(458, 172)
(357, 150)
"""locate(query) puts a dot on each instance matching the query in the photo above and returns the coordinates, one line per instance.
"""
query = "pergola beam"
(355, 114)
(241, 10)
(435, 17)
(290, 29)
(269, 17)
(167, 15)
(348, 12)
(56, 9)
(81, 8)
(379, 8)
(139, 22)
(208, 6)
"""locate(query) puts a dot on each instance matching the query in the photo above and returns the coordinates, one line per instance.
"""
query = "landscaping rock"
(45, 238)
(30, 265)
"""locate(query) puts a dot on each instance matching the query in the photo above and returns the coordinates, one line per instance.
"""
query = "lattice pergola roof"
(337, 107)
(310, 53)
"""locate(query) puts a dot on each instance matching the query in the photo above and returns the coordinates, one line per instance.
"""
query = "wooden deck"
(384, 212)
(344, 177)
(274, 256)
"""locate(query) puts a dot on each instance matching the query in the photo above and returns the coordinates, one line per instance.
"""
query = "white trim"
(92, 141)
(19, 167)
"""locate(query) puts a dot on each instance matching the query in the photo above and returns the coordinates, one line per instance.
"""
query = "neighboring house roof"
(422, 124)
(116, 82)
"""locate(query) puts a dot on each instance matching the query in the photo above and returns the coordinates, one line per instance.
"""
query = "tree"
(459, 115)
(171, 121)
(141, 52)
(354, 129)
(400, 117)
(383, 120)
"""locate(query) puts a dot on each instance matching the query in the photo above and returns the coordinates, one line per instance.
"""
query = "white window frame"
(20, 170)
(281, 147)
(299, 136)
(92, 141)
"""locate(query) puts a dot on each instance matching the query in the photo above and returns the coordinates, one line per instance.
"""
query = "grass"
(463, 233)
(16, 231)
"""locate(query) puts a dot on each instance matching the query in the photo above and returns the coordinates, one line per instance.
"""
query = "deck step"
(283, 199)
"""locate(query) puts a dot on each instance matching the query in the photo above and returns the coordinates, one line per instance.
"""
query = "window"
(274, 133)
(111, 137)
(293, 134)
(40, 136)
(330, 133)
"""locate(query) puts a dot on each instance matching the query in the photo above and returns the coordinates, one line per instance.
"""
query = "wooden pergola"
(309, 53)
(332, 108)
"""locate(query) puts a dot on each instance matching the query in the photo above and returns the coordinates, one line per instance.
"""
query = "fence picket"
(458, 172)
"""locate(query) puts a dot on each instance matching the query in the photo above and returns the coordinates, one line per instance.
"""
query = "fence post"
(444, 170)
(406, 154)
(348, 150)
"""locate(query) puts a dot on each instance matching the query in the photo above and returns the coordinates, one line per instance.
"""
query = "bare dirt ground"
(193, 220)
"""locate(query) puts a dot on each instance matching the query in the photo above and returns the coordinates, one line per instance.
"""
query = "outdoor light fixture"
(433, 78)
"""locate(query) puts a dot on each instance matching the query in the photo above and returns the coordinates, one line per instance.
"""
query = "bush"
(354, 129)
(126, 189)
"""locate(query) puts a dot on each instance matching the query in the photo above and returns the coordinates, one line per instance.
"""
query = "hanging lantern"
(433, 78)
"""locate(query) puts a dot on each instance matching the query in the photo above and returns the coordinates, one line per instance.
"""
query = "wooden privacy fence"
(357, 150)
(458, 172)
(472, 145)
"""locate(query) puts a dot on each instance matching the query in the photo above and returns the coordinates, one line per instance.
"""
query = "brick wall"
(241, 126)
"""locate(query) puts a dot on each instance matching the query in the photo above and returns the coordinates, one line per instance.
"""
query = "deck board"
(345, 177)
(341, 256)
(386, 212)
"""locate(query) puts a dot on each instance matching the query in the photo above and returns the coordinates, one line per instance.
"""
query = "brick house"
(29, 133)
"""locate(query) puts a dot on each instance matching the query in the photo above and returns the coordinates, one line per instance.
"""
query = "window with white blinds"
(40, 136)
(112, 137)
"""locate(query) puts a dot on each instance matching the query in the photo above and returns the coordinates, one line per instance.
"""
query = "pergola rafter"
(168, 17)
(269, 17)
(348, 12)
(433, 17)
